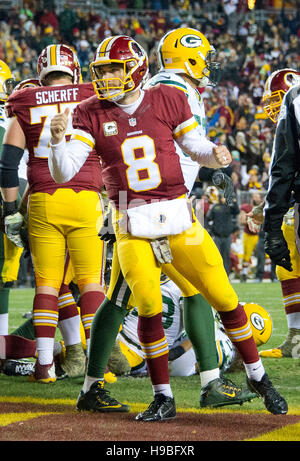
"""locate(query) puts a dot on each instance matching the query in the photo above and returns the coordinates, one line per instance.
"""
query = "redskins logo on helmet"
(7, 81)
(277, 84)
(133, 60)
(260, 321)
(187, 51)
(59, 58)
(28, 83)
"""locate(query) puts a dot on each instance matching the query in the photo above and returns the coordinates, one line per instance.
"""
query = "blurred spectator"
(250, 239)
(48, 18)
(67, 21)
(104, 30)
(290, 21)
(26, 71)
(221, 223)
(256, 89)
(254, 183)
(159, 23)
(83, 52)
(144, 38)
(32, 39)
(47, 39)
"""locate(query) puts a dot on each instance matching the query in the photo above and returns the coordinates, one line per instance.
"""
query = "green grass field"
(284, 372)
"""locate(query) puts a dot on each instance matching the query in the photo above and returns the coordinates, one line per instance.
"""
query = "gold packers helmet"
(260, 321)
(187, 51)
(7, 81)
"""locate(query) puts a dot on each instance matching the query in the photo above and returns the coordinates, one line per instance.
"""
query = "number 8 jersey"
(137, 149)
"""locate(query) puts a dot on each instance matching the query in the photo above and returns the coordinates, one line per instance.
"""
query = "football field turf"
(284, 373)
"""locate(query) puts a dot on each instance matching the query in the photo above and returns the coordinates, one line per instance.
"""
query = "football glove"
(13, 221)
(107, 232)
(161, 249)
(277, 249)
(224, 182)
(12, 226)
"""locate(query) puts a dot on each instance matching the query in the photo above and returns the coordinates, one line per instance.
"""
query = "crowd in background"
(249, 50)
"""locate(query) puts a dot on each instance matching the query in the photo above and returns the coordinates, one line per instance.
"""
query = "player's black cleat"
(97, 399)
(274, 402)
(221, 392)
(18, 367)
(162, 408)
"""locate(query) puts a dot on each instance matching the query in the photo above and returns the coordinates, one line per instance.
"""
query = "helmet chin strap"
(204, 81)
(118, 97)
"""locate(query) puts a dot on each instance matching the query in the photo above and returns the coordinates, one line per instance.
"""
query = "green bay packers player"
(151, 215)
(277, 84)
(59, 217)
(9, 253)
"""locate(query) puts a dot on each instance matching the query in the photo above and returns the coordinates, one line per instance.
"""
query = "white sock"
(88, 346)
(208, 376)
(164, 389)
(255, 370)
(70, 330)
(44, 347)
(2, 348)
(4, 324)
(88, 381)
(293, 320)
(57, 348)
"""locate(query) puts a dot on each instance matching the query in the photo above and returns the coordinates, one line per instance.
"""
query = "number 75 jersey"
(137, 150)
(34, 109)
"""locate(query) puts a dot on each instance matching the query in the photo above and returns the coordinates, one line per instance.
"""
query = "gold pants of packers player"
(10, 256)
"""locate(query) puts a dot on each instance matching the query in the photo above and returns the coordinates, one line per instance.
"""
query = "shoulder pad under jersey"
(169, 79)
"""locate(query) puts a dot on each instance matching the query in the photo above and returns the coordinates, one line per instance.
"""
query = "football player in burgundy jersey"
(59, 216)
(133, 131)
(19, 344)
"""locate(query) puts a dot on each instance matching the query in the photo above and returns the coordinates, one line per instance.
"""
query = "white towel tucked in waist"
(158, 219)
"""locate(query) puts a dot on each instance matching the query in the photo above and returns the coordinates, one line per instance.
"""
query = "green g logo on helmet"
(191, 41)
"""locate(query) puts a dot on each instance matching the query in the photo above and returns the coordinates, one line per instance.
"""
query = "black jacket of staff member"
(221, 221)
(284, 178)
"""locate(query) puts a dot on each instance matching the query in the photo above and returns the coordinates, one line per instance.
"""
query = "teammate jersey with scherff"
(34, 109)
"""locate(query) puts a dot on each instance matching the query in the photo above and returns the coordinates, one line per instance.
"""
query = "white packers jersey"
(171, 319)
(190, 169)
(175, 333)
(3, 118)
(22, 172)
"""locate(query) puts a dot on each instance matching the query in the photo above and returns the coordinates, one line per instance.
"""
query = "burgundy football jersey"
(246, 207)
(34, 109)
(138, 155)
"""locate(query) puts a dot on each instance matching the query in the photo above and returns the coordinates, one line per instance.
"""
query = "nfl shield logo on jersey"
(132, 121)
